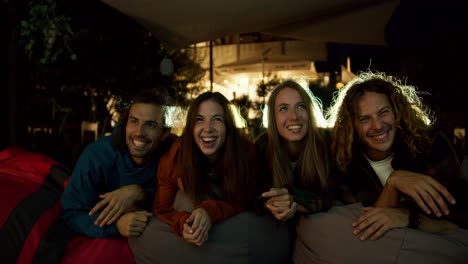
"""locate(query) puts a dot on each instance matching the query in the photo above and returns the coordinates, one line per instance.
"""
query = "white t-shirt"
(383, 168)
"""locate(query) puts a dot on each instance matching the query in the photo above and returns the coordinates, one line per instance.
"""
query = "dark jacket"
(102, 168)
(438, 160)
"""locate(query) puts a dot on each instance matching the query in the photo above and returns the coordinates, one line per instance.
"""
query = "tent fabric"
(180, 23)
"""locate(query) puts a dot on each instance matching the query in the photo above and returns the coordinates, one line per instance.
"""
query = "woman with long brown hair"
(210, 165)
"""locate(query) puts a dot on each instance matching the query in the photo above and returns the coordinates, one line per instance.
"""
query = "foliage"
(264, 87)
(81, 57)
(113, 56)
(46, 34)
(244, 104)
(187, 79)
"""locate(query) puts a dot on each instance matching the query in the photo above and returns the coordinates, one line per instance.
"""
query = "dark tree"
(76, 57)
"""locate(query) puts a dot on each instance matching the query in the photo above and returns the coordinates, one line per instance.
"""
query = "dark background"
(425, 43)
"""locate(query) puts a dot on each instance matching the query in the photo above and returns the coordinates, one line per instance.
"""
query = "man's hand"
(280, 203)
(428, 193)
(375, 221)
(196, 227)
(116, 203)
(133, 223)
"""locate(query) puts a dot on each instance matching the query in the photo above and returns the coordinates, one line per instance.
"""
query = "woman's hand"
(280, 203)
(196, 227)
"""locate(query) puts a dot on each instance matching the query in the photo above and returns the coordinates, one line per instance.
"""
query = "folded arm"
(77, 201)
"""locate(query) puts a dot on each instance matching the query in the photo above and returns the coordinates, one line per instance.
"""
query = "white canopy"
(178, 23)
(270, 63)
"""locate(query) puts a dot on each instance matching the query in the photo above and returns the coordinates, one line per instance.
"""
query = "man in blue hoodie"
(112, 187)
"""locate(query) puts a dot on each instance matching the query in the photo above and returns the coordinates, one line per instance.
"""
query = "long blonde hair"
(313, 168)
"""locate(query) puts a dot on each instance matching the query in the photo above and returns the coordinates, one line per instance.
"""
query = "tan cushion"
(327, 238)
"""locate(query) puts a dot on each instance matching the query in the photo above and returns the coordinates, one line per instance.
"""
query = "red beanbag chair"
(31, 230)
(90, 250)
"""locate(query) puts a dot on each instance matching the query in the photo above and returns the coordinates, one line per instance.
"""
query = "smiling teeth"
(139, 143)
(294, 127)
(209, 139)
(380, 136)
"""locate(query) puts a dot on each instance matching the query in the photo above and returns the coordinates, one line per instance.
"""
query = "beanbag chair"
(243, 238)
(327, 238)
(91, 250)
(31, 230)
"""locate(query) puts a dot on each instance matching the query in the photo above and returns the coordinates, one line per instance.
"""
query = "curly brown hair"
(412, 117)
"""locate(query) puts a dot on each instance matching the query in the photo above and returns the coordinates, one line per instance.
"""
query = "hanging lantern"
(166, 67)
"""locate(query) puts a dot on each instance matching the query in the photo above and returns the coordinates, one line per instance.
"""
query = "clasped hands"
(196, 227)
(119, 206)
(280, 203)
